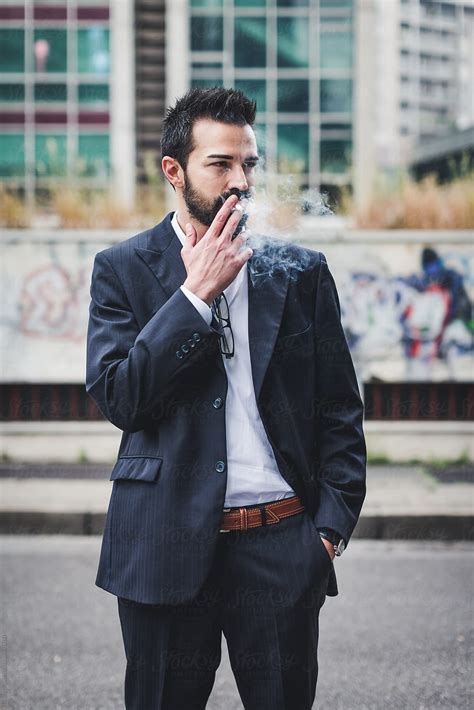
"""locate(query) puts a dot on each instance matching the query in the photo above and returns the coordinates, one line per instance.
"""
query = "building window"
(293, 42)
(206, 3)
(49, 51)
(254, 89)
(293, 95)
(55, 110)
(50, 154)
(206, 34)
(336, 96)
(336, 3)
(292, 3)
(12, 54)
(293, 148)
(12, 93)
(93, 55)
(335, 156)
(12, 154)
(336, 50)
(50, 93)
(93, 94)
(205, 83)
(295, 59)
(94, 155)
(250, 42)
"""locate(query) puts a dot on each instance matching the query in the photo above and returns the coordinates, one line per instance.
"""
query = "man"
(242, 436)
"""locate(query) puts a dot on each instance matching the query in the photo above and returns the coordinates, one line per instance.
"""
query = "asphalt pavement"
(399, 636)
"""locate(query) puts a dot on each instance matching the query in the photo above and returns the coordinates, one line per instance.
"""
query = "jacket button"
(196, 337)
(191, 342)
(185, 348)
(220, 467)
(217, 403)
(179, 354)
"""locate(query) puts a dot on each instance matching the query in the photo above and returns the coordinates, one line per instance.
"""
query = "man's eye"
(250, 165)
(221, 164)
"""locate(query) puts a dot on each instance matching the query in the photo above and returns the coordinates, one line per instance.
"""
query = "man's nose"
(238, 179)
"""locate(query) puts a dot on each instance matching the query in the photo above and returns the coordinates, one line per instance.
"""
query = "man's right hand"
(214, 261)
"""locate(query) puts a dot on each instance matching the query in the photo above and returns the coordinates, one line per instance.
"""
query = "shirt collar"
(179, 232)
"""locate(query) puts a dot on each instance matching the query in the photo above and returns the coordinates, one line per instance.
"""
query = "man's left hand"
(329, 547)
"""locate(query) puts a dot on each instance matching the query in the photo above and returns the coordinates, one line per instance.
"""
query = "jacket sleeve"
(340, 442)
(130, 372)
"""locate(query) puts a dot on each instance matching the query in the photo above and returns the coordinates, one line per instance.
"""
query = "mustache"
(241, 194)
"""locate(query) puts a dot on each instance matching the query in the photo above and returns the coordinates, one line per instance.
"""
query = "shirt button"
(220, 466)
(217, 403)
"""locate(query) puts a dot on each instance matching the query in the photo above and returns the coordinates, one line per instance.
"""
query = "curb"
(377, 527)
(415, 527)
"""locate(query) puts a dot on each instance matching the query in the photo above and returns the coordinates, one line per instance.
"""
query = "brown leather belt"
(264, 514)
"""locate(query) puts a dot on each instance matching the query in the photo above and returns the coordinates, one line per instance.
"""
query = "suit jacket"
(155, 371)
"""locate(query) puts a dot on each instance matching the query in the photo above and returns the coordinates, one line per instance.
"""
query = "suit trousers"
(264, 592)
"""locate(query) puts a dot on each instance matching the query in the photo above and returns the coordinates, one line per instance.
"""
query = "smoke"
(275, 210)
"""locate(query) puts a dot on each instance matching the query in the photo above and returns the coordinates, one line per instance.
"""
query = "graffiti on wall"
(51, 303)
(407, 310)
(44, 310)
(412, 327)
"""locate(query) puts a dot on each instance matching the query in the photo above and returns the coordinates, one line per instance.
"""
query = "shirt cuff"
(325, 527)
(199, 304)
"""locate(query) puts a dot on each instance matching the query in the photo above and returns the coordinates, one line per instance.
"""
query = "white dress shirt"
(253, 476)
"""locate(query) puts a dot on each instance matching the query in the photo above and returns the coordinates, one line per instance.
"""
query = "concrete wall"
(395, 323)
(400, 324)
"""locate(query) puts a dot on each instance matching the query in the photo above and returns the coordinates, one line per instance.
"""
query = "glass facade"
(250, 41)
(295, 59)
(12, 155)
(292, 42)
(12, 54)
(54, 93)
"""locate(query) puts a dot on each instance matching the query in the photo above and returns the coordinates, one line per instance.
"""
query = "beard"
(205, 210)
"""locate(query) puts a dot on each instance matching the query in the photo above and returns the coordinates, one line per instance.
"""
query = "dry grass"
(13, 212)
(78, 208)
(423, 205)
(71, 208)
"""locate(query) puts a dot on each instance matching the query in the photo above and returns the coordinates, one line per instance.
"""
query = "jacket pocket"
(136, 468)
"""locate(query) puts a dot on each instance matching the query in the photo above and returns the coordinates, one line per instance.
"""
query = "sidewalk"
(402, 502)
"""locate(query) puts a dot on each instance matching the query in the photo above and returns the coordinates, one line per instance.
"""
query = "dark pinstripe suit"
(161, 542)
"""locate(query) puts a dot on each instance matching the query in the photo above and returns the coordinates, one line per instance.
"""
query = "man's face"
(222, 164)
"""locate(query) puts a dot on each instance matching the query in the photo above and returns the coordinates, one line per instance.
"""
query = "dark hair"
(217, 103)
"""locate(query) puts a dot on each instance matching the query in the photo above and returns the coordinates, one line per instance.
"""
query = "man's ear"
(173, 171)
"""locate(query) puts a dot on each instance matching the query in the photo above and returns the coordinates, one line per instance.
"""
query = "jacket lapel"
(266, 296)
(163, 256)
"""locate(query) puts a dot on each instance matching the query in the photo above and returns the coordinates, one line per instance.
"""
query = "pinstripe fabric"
(264, 591)
(169, 482)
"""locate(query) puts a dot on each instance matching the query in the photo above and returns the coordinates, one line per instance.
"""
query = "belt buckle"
(225, 510)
